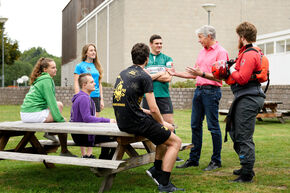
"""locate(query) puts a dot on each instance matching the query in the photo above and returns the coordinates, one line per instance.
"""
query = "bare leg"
(173, 145)
(160, 151)
(89, 150)
(83, 151)
(49, 118)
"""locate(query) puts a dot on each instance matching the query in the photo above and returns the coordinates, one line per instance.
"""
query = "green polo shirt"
(156, 64)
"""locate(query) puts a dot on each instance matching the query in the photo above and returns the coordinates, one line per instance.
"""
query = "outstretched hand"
(195, 71)
(171, 70)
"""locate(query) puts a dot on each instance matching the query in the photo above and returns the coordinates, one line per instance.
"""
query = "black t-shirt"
(130, 87)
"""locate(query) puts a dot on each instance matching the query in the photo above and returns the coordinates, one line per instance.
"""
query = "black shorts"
(97, 103)
(152, 130)
(164, 104)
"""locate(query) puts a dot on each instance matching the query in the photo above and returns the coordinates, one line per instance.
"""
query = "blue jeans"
(206, 102)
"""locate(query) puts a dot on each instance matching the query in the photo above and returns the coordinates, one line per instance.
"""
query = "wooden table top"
(110, 129)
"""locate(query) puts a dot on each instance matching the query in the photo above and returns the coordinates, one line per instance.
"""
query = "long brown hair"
(40, 65)
(95, 61)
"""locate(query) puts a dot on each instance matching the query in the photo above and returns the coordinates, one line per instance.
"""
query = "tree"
(15, 71)
(11, 49)
(25, 64)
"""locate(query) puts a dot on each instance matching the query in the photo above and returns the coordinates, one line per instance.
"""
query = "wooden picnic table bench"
(269, 110)
(125, 143)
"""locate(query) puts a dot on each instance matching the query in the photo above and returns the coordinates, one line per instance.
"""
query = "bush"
(184, 84)
(106, 84)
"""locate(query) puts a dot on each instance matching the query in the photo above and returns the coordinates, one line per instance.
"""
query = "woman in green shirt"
(40, 105)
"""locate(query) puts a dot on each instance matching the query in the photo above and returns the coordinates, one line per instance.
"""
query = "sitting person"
(40, 105)
(83, 110)
(130, 87)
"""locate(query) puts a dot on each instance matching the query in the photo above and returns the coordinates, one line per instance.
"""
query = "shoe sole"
(179, 161)
(150, 175)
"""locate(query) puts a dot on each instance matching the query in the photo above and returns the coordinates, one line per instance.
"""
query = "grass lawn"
(272, 164)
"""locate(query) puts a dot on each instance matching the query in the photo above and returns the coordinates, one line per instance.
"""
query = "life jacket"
(261, 75)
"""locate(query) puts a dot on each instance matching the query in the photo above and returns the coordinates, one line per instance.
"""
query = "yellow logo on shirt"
(132, 72)
(119, 92)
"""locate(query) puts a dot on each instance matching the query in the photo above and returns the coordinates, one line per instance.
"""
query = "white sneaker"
(51, 137)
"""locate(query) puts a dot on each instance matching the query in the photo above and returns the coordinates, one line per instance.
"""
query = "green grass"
(272, 164)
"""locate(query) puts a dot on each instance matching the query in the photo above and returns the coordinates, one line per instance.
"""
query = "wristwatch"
(203, 74)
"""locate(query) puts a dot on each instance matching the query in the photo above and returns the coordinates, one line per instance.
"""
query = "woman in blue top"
(91, 64)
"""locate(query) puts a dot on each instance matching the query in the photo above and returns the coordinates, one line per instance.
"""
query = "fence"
(181, 97)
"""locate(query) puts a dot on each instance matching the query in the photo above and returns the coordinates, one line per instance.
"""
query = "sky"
(34, 23)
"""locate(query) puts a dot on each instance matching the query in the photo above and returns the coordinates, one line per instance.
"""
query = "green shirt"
(41, 96)
(156, 64)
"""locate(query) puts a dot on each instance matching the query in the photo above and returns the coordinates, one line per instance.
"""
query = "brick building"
(115, 25)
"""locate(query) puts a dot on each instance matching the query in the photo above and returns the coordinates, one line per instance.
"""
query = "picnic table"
(269, 110)
(125, 143)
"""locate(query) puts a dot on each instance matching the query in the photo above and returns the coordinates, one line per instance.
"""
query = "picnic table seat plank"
(136, 145)
(112, 164)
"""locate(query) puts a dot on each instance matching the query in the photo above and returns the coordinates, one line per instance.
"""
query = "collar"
(213, 46)
(245, 47)
(154, 54)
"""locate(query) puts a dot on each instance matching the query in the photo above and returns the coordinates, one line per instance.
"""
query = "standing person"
(249, 100)
(40, 105)
(130, 87)
(83, 110)
(91, 64)
(156, 67)
(206, 98)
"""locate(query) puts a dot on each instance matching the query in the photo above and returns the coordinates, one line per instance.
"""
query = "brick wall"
(181, 97)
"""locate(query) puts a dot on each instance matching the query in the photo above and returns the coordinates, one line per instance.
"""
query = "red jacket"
(246, 64)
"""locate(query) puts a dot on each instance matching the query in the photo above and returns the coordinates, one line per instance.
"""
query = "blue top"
(85, 67)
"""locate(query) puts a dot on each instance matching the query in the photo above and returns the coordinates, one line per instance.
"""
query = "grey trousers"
(242, 132)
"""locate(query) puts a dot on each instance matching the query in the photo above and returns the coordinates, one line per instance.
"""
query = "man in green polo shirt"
(156, 67)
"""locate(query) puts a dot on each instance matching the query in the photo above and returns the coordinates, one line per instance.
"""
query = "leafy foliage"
(18, 64)
(184, 84)
(24, 65)
(11, 49)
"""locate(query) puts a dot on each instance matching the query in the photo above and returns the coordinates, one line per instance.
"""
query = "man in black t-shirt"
(130, 87)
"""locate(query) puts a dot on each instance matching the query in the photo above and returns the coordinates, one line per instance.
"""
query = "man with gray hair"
(206, 98)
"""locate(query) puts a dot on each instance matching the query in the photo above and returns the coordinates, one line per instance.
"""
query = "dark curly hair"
(140, 53)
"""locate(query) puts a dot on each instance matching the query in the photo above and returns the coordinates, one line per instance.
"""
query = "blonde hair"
(95, 61)
(40, 65)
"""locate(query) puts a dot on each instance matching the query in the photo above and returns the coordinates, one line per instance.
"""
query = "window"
(280, 46)
(270, 48)
(288, 45)
(262, 46)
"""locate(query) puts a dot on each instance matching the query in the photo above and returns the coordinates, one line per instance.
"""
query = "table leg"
(108, 180)
(3, 141)
(21, 145)
(40, 150)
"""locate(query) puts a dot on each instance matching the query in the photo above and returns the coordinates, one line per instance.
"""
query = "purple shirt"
(206, 58)
(83, 109)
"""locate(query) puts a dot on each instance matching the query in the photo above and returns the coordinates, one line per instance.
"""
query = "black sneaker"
(212, 166)
(243, 179)
(92, 156)
(85, 156)
(169, 188)
(187, 164)
(178, 159)
(237, 172)
(153, 173)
